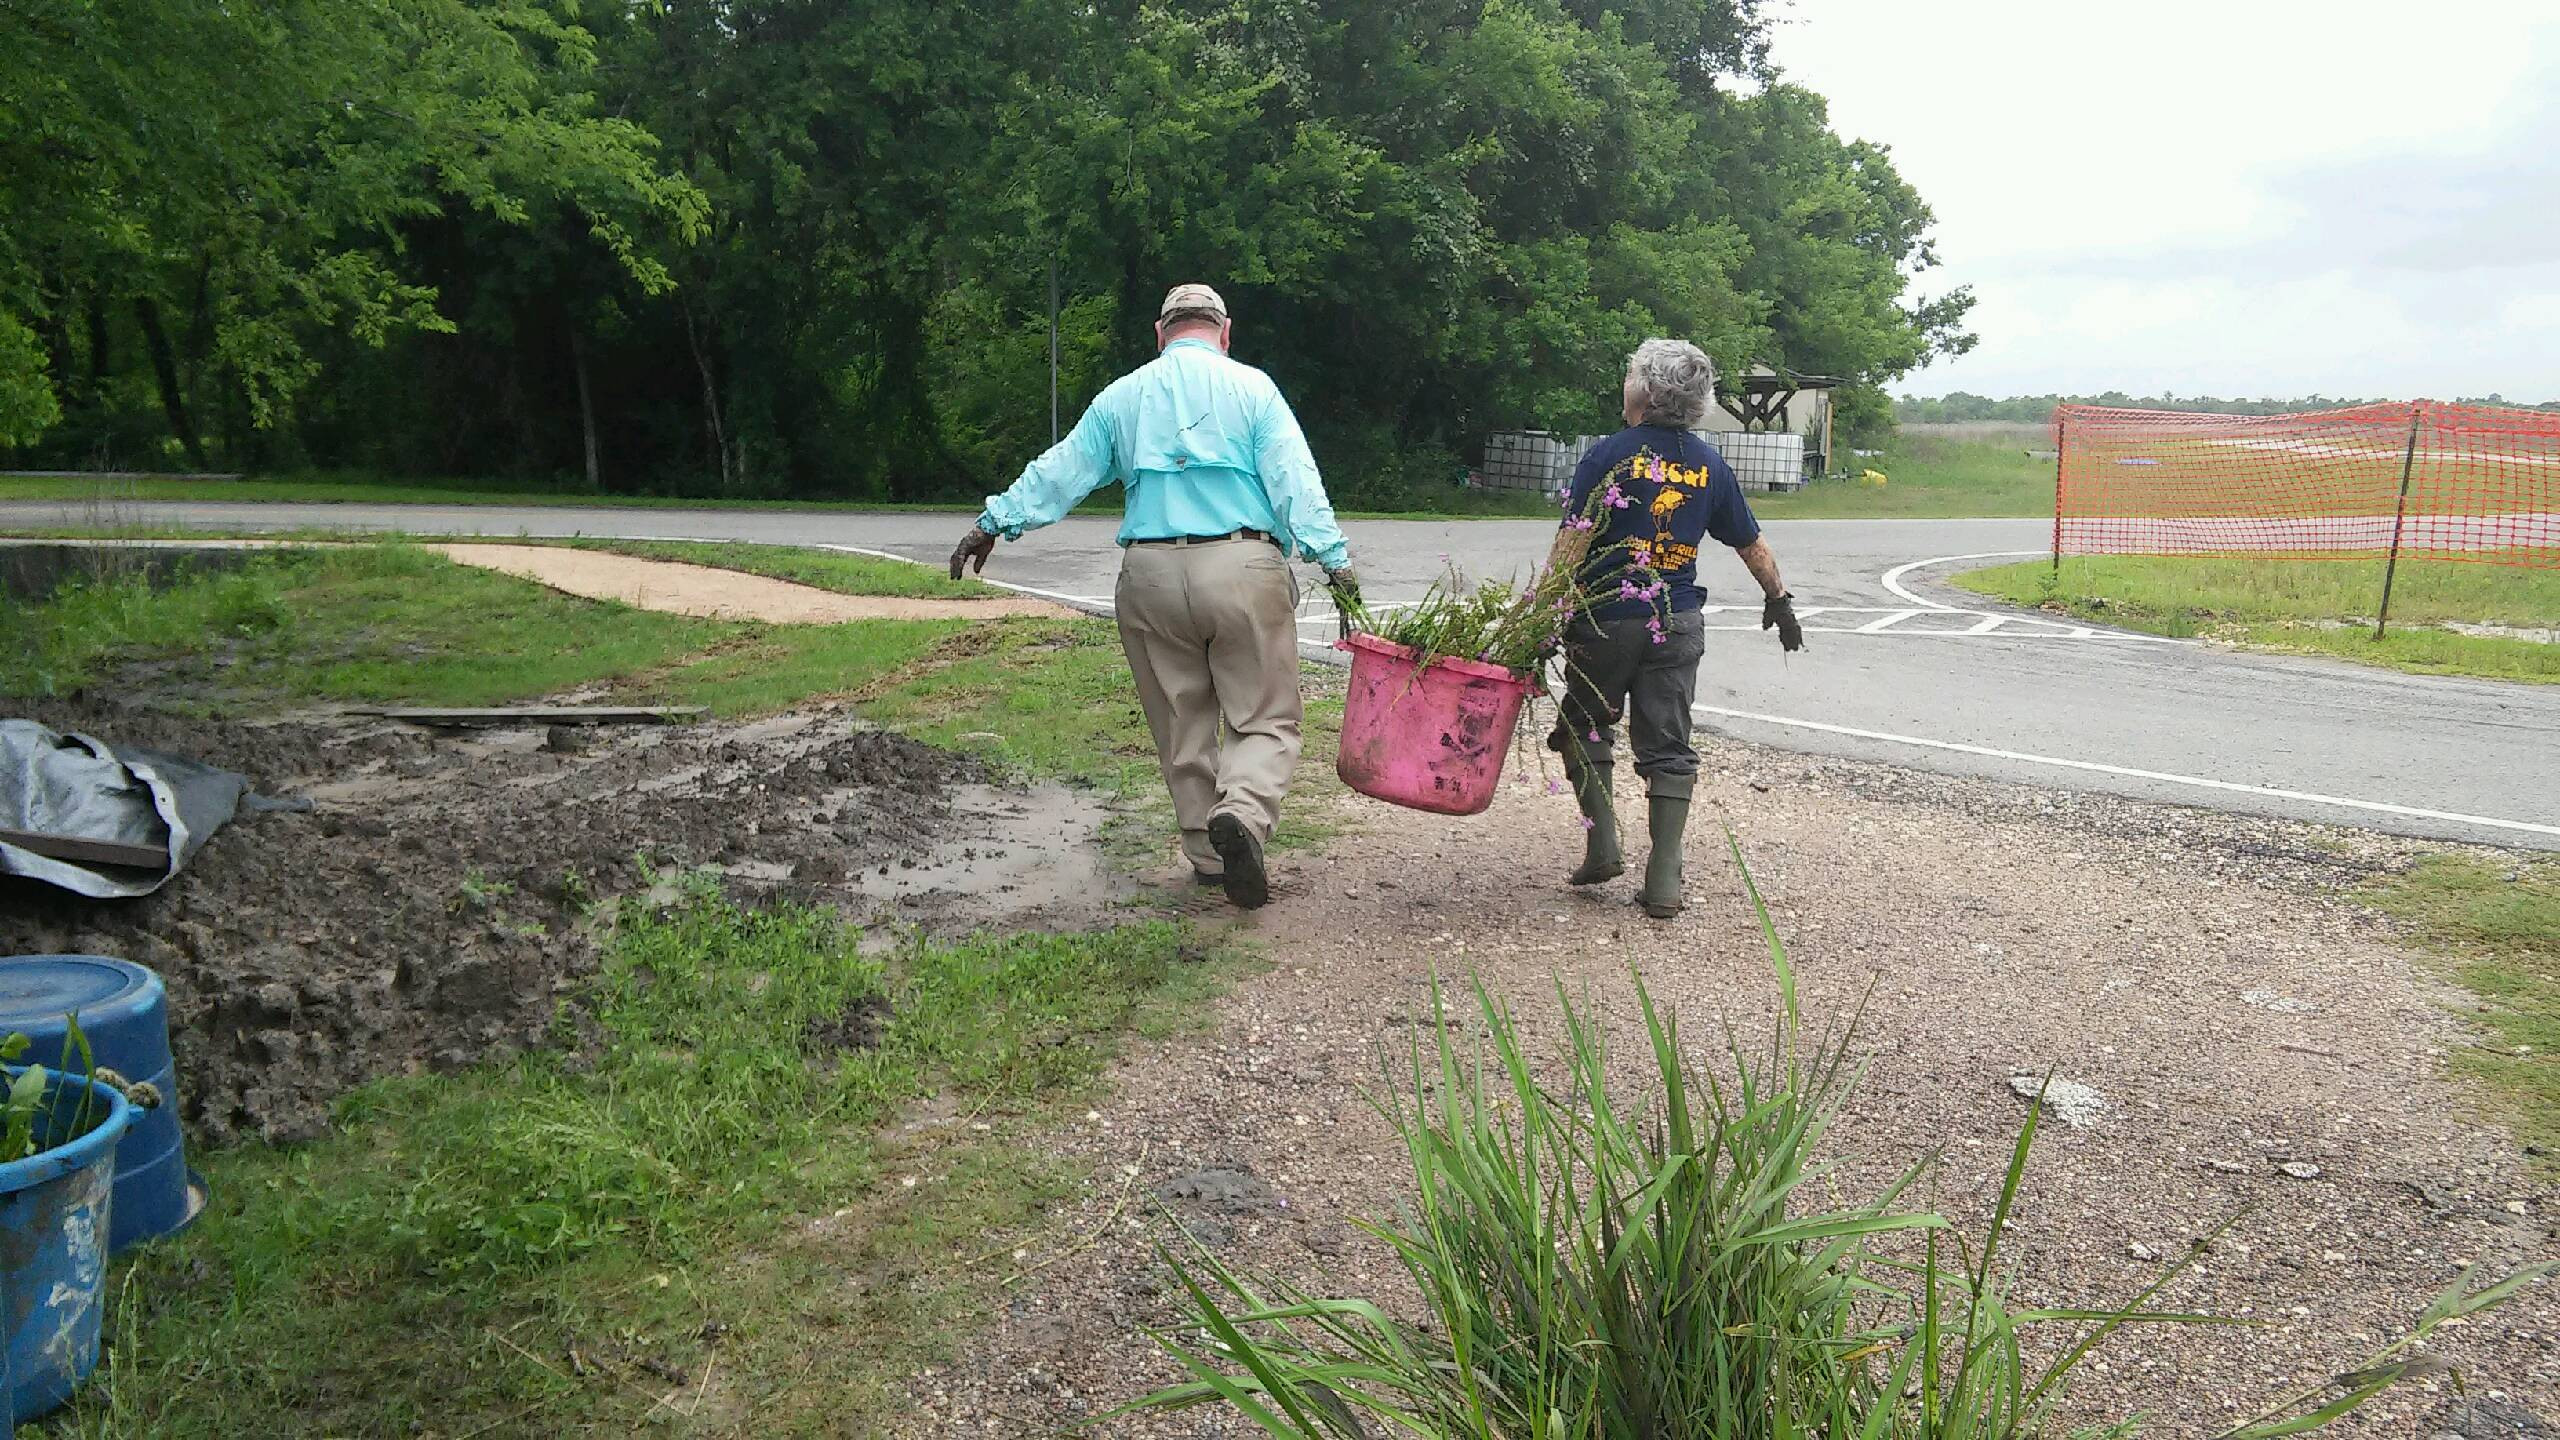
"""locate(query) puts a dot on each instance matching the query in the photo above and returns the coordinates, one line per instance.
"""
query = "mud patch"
(1017, 850)
(858, 1026)
(430, 911)
(1211, 1203)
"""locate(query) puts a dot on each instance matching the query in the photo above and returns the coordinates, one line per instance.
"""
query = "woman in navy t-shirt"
(1649, 497)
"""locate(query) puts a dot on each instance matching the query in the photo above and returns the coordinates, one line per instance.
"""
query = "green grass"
(823, 569)
(717, 1194)
(2497, 925)
(383, 623)
(390, 623)
(1926, 478)
(2306, 606)
(370, 623)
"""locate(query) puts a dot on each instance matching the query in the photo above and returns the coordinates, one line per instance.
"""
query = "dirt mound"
(430, 910)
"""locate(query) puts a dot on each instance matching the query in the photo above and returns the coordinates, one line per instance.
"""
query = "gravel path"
(2197, 970)
(718, 594)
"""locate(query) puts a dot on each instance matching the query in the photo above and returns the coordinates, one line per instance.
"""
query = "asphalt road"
(1899, 668)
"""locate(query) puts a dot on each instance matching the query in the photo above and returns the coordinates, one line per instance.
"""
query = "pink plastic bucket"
(1431, 741)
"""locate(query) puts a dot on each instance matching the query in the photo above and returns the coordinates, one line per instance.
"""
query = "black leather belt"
(1210, 539)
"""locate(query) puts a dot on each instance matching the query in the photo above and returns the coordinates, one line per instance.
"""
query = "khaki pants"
(1212, 637)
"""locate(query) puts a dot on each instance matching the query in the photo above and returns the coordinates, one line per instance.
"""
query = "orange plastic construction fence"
(2426, 479)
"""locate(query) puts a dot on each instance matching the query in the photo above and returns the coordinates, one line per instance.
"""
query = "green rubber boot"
(1668, 819)
(1601, 858)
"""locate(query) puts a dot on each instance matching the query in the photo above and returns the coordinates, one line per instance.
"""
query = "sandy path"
(718, 594)
(2167, 957)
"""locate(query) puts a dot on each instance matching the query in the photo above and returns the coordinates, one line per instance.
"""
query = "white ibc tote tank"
(1772, 460)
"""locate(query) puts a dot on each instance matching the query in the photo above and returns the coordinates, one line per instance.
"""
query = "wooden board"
(539, 714)
(80, 851)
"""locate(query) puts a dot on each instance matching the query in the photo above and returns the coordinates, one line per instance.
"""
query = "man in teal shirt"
(1220, 494)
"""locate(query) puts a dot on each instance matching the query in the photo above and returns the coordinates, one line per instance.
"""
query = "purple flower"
(1586, 822)
(1593, 737)
(1582, 522)
(1555, 787)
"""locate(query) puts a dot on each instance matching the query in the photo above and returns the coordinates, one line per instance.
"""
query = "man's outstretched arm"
(1048, 488)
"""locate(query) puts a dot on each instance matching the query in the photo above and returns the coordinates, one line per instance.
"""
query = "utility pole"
(1053, 350)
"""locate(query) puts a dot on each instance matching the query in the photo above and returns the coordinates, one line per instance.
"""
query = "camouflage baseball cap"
(1191, 299)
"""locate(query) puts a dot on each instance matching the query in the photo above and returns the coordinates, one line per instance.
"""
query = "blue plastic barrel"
(55, 1207)
(124, 1010)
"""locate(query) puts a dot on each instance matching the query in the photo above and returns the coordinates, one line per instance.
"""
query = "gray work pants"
(1618, 669)
(1211, 631)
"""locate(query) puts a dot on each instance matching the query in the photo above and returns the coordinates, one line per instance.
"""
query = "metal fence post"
(2057, 495)
(2399, 517)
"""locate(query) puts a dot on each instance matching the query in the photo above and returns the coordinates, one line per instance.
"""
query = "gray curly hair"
(1677, 378)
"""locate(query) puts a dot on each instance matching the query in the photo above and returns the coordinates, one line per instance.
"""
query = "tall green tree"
(804, 247)
(225, 183)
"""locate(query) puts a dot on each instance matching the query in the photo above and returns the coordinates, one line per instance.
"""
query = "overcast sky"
(2238, 198)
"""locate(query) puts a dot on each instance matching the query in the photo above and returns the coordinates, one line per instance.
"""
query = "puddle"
(1036, 851)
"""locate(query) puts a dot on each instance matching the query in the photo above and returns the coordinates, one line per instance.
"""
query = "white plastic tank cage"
(1529, 460)
(1774, 429)
(1763, 461)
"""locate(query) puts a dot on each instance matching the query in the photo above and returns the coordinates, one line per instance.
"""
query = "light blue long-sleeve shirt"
(1205, 446)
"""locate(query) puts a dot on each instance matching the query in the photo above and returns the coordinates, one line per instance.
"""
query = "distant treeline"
(1962, 405)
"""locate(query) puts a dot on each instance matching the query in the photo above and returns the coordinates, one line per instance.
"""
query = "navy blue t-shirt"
(1679, 491)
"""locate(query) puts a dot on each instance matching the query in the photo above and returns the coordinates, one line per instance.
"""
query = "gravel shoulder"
(2238, 1017)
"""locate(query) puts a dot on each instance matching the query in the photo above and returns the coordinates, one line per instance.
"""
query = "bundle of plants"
(1595, 1266)
(1518, 624)
(1495, 623)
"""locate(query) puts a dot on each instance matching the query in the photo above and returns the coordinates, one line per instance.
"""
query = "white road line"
(1893, 578)
(1072, 602)
(1892, 582)
(2200, 782)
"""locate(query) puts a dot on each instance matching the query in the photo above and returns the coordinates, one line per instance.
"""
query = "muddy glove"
(1780, 614)
(977, 545)
(1345, 586)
